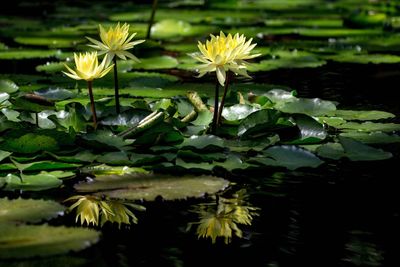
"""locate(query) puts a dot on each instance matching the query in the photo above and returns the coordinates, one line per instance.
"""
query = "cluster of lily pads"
(155, 124)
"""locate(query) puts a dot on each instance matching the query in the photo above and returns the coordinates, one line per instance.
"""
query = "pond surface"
(342, 212)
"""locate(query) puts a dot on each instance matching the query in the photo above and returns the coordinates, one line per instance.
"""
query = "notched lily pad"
(28, 210)
(150, 186)
(27, 241)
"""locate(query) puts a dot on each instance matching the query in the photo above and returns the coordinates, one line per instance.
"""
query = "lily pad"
(290, 157)
(52, 42)
(150, 186)
(308, 106)
(13, 54)
(8, 86)
(363, 115)
(30, 143)
(370, 126)
(353, 150)
(38, 182)
(27, 241)
(372, 138)
(154, 63)
(28, 210)
(238, 112)
(203, 142)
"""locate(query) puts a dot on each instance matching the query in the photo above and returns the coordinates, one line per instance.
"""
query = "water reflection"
(223, 217)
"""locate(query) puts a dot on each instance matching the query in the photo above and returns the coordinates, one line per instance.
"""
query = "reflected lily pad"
(27, 241)
(150, 186)
(28, 210)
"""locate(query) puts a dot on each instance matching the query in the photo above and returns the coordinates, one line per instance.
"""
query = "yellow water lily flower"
(223, 53)
(115, 42)
(87, 67)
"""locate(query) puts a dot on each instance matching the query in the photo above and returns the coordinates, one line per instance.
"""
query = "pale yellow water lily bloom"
(87, 67)
(223, 53)
(115, 41)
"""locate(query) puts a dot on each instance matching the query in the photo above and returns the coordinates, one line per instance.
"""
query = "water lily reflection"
(221, 219)
(94, 210)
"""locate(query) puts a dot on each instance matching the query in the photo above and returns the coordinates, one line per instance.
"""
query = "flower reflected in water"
(92, 210)
(221, 219)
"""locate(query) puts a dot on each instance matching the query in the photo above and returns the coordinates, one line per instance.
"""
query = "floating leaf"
(363, 115)
(106, 139)
(203, 142)
(238, 112)
(311, 131)
(370, 126)
(260, 121)
(13, 54)
(27, 241)
(353, 150)
(154, 63)
(150, 186)
(290, 157)
(30, 143)
(4, 154)
(38, 182)
(372, 138)
(308, 106)
(204, 118)
(8, 86)
(52, 42)
(56, 93)
(28, 210)
(357, 151)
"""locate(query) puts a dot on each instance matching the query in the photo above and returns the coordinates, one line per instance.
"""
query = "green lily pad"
(290, 157)
(370, 126)
(363, 115)
(353, 150)
(203, 142)
(311, 131)
(106, 139)
(350, 57)
(8, 86)
(53, 67)
(13, 54)
(238, 112)
(289, 60)
(259, 121)
(150, 186)
(30, 143)
(4, 154)
(170, 28)
(38, 182)
(52, 42)
(372, 138)
(28, 210)
(154, 63)
(204, 118)
(55, 93)
(27, 241)
(10, 114)
(338, 32)
(308, 106)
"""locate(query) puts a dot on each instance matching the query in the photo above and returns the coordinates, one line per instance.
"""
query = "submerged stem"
(223, 99)
(151, 21)
(215, 117)
(92, 107)
(116, 86)
(37, 119)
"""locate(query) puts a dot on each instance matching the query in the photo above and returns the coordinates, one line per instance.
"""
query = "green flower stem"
(196, 101)
(92, 107)
(37, 119)
(215, 117)
(151, 21)
(223, 99)
(116, 86)
(144, 124)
